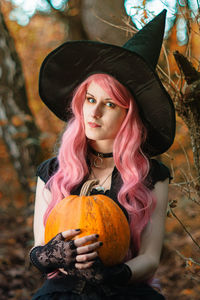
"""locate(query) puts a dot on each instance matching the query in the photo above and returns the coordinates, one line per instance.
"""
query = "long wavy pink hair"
(129, 159)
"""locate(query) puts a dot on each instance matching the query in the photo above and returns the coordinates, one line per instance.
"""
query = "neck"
(100, 154)
(104, 159)
(103, 146)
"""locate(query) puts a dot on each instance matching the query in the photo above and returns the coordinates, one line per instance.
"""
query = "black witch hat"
(133, 65)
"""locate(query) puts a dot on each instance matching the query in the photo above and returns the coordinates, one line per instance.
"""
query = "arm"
(145, 264)
(142, 267)
(62, 254)
(43, 197)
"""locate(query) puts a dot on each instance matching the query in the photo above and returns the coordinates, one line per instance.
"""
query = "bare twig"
(167, 62)
(184, 227)
(173, 84)
(124, 28)
(188, 259)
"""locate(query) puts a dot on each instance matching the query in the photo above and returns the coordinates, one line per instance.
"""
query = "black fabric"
(34, 260)
(57, 253)
(46, 169)
(98, 273)
(49, 167)
(65, 287)
(158, 172)
(67, 66)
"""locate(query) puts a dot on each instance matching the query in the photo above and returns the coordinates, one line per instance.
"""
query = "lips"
(93, 125)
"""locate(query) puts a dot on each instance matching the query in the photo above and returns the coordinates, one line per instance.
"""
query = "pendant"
(100, 188)
(98, 161)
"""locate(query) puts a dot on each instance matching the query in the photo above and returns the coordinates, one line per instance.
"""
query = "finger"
(86, 257)
(88, 238)
(82, 266)
(70, 233)
(89, 248)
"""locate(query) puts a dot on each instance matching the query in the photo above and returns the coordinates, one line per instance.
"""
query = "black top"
(64, 287)
(158, 172)
(67, 288)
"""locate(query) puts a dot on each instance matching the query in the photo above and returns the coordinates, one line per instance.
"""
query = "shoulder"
(47, 168)
(158, 172)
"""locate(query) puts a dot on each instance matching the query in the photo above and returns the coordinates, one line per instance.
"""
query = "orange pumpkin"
(93, 214)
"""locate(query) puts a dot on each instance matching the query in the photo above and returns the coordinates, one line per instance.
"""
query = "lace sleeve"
(47, 168)
(158, 172)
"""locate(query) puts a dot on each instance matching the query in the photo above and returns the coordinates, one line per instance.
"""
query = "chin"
(94, 137)
(97, 136)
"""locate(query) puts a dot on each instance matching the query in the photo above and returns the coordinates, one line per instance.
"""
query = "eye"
(110, 104)
(90, 99)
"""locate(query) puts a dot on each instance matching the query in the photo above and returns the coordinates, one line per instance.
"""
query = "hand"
(59, 253)
(98, 273)
(86, 255)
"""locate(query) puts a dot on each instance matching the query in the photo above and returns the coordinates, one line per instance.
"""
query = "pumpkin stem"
(87, 186)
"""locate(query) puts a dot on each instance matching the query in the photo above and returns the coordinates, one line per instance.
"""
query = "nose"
(96, 112)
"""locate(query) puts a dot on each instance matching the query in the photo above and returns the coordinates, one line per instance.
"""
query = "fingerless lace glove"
(98, 273)
(57, 253)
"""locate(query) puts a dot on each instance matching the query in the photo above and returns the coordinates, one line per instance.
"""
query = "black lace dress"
(63, 287)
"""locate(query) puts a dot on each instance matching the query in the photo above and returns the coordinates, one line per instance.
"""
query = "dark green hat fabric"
(148, 41)
(132, 64)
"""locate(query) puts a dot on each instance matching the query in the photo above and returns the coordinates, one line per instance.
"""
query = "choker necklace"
(100, 154)
(98, 161)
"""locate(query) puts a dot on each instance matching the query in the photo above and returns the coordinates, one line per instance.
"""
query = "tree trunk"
(188, 106)
(95, 20)
(71, 18)
(105, 21)
(17, 127)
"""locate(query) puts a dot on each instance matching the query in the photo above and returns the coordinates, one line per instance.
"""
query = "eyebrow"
(94, 96)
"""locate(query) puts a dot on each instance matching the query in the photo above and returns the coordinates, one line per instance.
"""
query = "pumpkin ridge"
(93, 214)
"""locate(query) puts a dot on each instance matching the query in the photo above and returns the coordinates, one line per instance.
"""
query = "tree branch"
(185, 66)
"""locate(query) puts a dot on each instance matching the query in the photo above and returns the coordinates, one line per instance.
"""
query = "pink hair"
(130, 161)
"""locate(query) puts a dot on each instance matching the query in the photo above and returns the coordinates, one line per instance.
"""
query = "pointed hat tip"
(141, 42)
(161, 18)
(163, 12)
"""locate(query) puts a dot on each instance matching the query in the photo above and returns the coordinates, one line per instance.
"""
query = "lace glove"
(98, 273)
(57, 253)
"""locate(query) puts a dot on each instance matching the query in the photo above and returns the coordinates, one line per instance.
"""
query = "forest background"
(29, 131)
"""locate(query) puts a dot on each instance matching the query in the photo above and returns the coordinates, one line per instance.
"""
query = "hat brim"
(71, 63)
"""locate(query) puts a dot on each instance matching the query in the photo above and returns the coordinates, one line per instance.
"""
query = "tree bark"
(71, 18)
(105, 21)
(17, 127)
(94, 20)
(188, 105)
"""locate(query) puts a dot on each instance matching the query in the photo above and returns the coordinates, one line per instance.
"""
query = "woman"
(121, 116)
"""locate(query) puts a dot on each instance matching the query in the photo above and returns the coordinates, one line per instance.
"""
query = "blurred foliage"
(142, 11)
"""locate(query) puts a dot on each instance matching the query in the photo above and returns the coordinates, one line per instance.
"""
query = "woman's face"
(102, 116)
